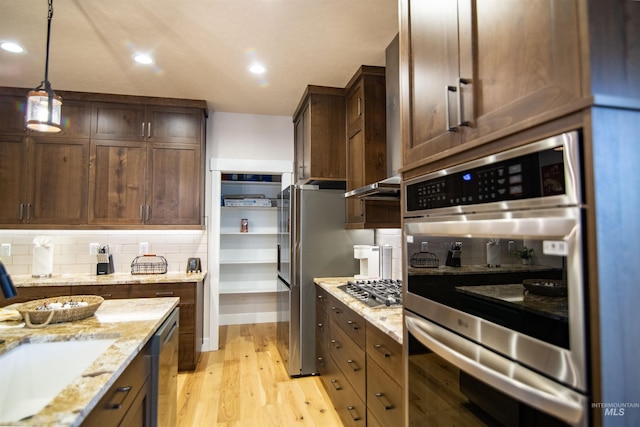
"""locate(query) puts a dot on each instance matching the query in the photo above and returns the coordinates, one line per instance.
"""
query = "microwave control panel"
(533, 175)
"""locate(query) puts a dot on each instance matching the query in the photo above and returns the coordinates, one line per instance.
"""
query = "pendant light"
(43, 105)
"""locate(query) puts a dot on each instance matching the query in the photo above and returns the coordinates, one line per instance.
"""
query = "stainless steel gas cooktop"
(375, 292)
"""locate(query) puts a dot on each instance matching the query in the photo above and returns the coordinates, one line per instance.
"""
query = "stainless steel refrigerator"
(312, 242)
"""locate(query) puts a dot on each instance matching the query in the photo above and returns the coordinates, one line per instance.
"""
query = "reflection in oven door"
(452, 381)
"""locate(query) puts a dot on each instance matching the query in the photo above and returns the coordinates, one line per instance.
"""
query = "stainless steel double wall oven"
(494, 298)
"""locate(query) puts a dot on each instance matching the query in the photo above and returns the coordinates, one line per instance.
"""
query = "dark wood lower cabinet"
(360, 366)
(191, 310)
(191, 307)
(128, 401)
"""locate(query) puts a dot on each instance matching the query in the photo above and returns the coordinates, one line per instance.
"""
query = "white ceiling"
(202, 47)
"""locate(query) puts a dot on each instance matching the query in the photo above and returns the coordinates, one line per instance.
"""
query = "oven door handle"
(499, 372)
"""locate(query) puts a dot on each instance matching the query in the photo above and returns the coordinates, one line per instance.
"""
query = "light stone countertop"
(388, 320)
(105, 279)
(132, 322)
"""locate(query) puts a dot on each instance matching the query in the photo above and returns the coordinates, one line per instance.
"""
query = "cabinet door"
(431, 28)
(12, 114)
(175, 125)
(13, 176)
(526, 69)
(75, 120)
(302, 146)
(355, 107)
(61, 180)
(174, 178)
(117, 192)
(355, 175)
(118, 121)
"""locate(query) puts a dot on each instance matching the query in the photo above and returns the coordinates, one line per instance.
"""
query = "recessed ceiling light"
(257, 68)
(142, 58)
(11, 47)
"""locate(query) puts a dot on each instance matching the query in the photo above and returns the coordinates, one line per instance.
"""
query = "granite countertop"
(387, 319)
(106, 279)
(132, 322)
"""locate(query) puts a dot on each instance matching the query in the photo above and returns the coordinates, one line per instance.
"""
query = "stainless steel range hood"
(389, 188)
(382, 190)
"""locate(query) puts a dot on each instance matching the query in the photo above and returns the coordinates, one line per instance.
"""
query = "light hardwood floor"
(245, 384)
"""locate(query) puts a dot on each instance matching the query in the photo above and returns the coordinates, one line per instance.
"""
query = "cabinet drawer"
(114, 405)
(384, 395)
(105, 291)
(322, 299)
(386, 351)
(350, 321)
(348, 404)
(349, 357)
(322, 340)
(34, 293)
(185, 291)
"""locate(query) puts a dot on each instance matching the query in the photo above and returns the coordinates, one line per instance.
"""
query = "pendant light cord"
(46, 63)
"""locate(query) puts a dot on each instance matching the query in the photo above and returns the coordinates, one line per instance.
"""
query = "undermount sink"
(32, 374)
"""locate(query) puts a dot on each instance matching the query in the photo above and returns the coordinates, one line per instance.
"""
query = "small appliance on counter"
(105, 261)
(369, 256)
(453, 257)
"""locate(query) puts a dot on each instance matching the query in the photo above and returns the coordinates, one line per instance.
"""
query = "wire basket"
(149, 264)
(424, 260)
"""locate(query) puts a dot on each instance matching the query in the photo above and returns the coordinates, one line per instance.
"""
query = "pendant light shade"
(43, 105)
(43, 111)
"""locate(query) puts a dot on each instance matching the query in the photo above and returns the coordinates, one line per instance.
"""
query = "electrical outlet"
(144, 248)
(93, 248)
(5, 250)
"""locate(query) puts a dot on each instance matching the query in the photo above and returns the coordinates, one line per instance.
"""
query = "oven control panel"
(539, 174)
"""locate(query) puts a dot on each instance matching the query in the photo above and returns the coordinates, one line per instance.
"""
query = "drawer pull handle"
(353, 325)
(125, 390)
(335, 343)
(382, 398)
(380, 348)
(353, 365)
(336, 384)
(321, 361)
(353, 413)
(107, 295)
(164, 294)
(320, 325)
(321, 297)
(335, 310)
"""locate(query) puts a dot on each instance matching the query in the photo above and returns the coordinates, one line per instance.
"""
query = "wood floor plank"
(244, 384)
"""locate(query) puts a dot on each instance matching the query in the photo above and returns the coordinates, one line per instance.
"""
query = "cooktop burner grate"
(375, 293)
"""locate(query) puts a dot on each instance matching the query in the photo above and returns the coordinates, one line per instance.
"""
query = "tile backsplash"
(71, 248)
(393, 237)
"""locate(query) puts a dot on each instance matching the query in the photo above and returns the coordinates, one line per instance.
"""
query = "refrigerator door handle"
(512, 379)
(278, 255)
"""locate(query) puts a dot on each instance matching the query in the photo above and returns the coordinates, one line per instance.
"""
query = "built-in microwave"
(495, 289)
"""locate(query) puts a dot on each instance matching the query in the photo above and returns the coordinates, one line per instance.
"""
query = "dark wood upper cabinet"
(472, 75)
(117, 161)
(319, 135)
(367, 149)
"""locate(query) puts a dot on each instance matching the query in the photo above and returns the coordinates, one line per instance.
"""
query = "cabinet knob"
(353, 365)
(380, 349)
(353, 413)
(383, 400)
